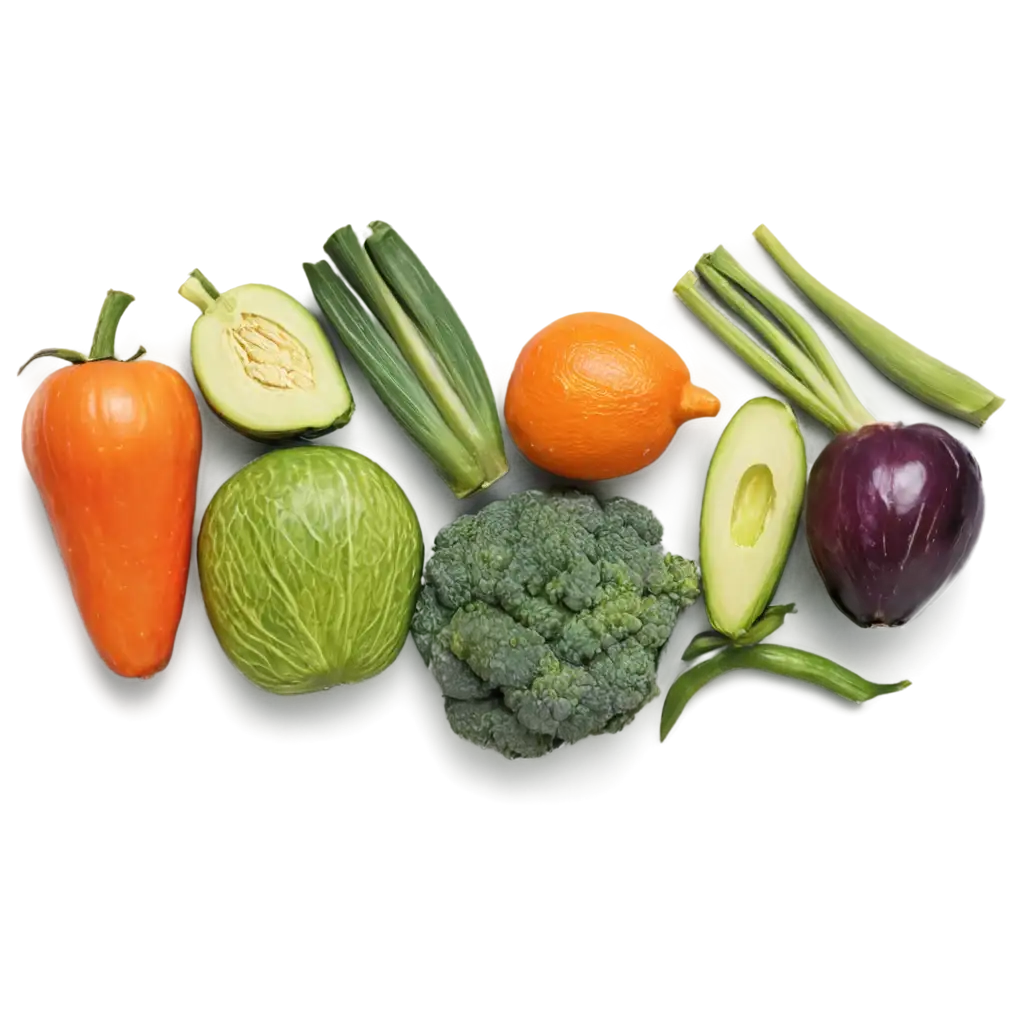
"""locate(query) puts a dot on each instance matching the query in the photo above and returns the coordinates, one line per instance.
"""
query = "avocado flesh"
(752, 501)
(265, 366)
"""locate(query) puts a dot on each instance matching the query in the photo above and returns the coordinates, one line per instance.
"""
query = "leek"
(415, 352)
(929, 379)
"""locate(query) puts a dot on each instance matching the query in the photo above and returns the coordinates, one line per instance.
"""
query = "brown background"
(183, 876)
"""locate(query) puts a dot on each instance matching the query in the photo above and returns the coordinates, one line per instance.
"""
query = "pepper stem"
(198, 290)
(113, 309)
(60, 353)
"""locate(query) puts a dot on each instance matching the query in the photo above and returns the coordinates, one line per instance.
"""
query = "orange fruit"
(595, 396)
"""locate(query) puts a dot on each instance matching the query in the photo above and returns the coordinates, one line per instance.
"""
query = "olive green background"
(184, 875)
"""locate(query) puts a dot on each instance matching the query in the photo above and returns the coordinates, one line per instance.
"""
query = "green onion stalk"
(415, 352)
(929, 379)
(800, 365)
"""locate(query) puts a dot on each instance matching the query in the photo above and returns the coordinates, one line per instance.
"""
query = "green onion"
(834, 417)
(394, 381)
(785, 347)
(440, 325)
(415, 352)
(932, 381)
(800, 330)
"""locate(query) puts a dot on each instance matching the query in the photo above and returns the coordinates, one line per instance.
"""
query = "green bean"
(775, 659)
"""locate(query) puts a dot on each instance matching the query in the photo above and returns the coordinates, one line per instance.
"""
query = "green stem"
(778, 660)
(113, 309)
(785, 348)
(393, 379)
(805, 335)
(365, 279)
(198, 290)
(60, 353)
(704, 643)
(420, 296)
(773, 617)
(754, 356)
(711, 640)
(929, 379)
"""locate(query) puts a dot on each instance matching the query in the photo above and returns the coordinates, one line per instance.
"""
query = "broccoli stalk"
(542, 617)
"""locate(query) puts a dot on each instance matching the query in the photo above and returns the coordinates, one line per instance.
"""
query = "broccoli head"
(542, 617)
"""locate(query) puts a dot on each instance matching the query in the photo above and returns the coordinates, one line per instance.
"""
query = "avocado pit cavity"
(754, 501)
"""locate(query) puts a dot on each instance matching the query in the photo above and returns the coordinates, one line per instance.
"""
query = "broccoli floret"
(488, 723)
(495, 647)
(542, 617)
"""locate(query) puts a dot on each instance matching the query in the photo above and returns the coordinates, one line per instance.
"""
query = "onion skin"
(893, 512)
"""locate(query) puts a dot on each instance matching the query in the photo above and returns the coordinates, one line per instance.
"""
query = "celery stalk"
(932, 381)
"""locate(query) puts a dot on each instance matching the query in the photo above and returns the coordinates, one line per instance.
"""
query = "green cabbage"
(309, 561)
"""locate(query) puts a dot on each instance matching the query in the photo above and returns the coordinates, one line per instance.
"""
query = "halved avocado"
(264, 364)
(752, 501)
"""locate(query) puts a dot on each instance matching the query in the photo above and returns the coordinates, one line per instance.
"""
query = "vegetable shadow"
(62, 608)
(882, 654)
(221, 445)
(742, 691)
(572, 776)
(617, 771)
(323, 721)
(819, 624)
(316, 721)
(596, 760)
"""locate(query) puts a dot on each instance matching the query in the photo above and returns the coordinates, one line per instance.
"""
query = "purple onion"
(892, 514)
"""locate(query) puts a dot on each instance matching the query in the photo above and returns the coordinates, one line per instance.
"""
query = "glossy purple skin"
(892, 514)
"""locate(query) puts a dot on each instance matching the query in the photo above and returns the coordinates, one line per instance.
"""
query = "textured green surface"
(960, 739)
(309, 560)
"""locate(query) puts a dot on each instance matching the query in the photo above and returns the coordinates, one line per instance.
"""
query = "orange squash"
(595, 396)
